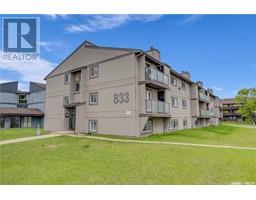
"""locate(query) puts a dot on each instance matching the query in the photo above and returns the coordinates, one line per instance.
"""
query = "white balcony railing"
(153, 74)
(204, 97)
(157, 106)
(206, 113)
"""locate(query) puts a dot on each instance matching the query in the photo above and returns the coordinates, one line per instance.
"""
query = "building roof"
(229, 101)
(20, 112)
(88, 44)
(41, 85)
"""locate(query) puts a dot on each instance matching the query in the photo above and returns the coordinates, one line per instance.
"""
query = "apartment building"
(20, 109)
(230, 110)
(123, 91)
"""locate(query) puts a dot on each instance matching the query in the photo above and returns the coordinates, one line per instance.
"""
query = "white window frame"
(172, 122)
(94, 71)
(66, 81)
(184, 106)
(172, 100)
(93, 128)
(183, 84)
(175, 82)
(96, 98)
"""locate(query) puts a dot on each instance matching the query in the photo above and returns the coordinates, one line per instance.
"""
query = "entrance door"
(72, 118)
(7, 123)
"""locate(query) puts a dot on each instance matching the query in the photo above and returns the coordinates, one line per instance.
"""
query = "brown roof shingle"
(21, 112)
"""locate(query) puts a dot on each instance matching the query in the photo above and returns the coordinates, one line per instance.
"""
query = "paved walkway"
(24, 139)
(166, 143)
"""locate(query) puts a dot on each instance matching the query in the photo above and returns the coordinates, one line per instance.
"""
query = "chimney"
(185, 74)
(200, 83)
(155, 53)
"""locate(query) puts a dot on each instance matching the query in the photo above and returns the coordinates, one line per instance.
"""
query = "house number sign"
(122, 97)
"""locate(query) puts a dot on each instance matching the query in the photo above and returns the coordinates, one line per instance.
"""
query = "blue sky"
(219, 50)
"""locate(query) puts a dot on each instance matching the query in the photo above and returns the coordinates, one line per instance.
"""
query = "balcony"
(204, 97)
(156, 79)
(157, 108)
(205, 113)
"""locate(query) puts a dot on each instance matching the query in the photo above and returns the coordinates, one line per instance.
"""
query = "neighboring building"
(19, 108)
(124, 92)
(230, 110)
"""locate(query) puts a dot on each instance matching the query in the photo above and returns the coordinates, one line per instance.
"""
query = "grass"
(69, 160)
(12, 133)
(222, 135)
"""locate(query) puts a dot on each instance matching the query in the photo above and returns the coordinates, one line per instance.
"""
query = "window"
(185, 123)
(27, 122)
(77, 79)
(184, 104)
(148, 95)
(94, 71)
(22, 99)
(93, 126)
(66, 100)
(174, 124)
(149, 126)
(93, 98)
(173, 81)
(66, 78)
(77, 87)
(183, 85)
(175, 102)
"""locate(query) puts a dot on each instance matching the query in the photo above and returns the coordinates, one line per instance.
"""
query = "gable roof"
(88, 44)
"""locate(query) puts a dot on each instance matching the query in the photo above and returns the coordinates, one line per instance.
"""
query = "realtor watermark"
(21, 39)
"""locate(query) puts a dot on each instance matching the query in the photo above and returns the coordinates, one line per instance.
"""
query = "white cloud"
(29, 71)
(103, 22)
(49, 45)
(219, 89)
(54, 17)
(192, 19)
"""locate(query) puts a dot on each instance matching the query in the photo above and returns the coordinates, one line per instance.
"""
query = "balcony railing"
(206, 113)
(153, 74)
(157, 107)
(204, 97)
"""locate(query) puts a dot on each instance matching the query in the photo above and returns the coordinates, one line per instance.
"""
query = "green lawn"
(224, 135)
(69, 160)
(6, 134)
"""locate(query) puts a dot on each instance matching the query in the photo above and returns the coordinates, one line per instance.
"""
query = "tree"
(247, 97)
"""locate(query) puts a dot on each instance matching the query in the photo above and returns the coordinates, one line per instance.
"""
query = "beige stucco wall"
(54, 111)
(179, 113)
(115, 77)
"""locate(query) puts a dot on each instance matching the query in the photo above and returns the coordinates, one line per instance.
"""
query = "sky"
(219, 50)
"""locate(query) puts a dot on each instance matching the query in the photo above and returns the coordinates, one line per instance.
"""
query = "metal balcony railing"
(206, 113)
(153, 74)
(157, 106)
(204, 97)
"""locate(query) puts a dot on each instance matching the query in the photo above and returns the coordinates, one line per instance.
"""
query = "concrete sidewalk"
(24, 139)
(166, 143)
(241, 126)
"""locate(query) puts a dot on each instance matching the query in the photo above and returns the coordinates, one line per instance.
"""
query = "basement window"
(93, 126)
